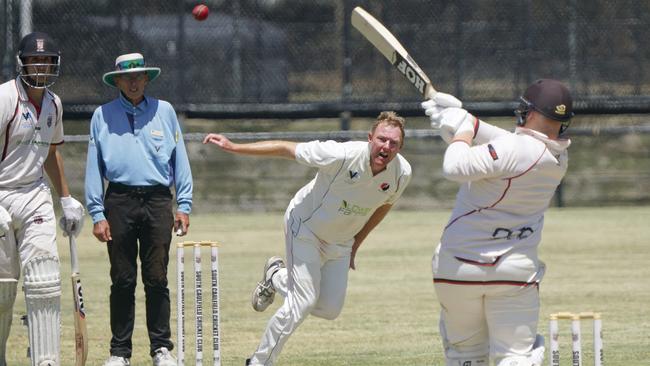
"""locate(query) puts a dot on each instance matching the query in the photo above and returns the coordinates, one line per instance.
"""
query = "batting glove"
(446, 114)
(73, 216)
(437, 104)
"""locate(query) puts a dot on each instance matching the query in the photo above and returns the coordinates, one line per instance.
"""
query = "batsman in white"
(327, 220)
(31, 127)
(486, 270)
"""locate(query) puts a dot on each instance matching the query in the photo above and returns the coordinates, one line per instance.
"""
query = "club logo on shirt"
(384, 186)
(349, 209)
(493, 152)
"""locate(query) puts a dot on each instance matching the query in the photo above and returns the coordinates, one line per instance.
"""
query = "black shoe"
(248, 361)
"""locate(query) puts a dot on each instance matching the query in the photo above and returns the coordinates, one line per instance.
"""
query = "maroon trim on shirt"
(477, 263)
(485, 283)
(503, 195)
(4, 149)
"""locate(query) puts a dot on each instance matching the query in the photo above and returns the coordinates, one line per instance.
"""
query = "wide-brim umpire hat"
(127, 64)
(550, 98)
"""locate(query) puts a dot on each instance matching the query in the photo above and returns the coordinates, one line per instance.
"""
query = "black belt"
(137, 190)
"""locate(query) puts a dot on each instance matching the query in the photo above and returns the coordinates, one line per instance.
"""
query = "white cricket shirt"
(26, 134)
(507, 184)
(338, 202)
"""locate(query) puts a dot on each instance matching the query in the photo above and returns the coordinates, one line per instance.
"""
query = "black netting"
(294, 52)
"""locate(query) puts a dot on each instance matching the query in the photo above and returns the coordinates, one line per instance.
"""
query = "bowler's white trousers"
(314, 282)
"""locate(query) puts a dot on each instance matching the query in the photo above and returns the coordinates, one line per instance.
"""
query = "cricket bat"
(389, 46)
(80, 330)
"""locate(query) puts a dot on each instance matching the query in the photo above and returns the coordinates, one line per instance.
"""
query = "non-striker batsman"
(31, 127)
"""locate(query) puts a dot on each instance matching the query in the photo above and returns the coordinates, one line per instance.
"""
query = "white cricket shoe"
(162, 357)
(117, 361)
(264, 292)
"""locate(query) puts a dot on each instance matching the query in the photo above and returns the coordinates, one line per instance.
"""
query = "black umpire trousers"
(139, 215)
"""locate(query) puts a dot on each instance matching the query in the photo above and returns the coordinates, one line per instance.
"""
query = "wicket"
(198, 301)
(576, 345)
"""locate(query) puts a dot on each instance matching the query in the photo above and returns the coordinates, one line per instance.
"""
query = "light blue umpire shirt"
(138, 146)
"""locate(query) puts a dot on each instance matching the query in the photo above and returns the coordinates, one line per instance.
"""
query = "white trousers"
(487, 311)
(314, 282)
(34, 227)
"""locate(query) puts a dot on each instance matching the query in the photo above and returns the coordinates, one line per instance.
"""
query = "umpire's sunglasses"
(131, 64)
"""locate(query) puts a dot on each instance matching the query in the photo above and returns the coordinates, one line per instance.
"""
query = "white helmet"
(41, 75)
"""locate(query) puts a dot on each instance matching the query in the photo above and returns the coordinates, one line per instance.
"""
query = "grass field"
(598, 259)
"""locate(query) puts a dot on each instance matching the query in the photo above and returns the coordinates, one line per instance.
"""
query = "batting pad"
(43, 300)
(7, 298)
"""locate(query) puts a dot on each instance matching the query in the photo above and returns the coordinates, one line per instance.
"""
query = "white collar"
(556, 146)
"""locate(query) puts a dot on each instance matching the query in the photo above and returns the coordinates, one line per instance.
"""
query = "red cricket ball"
(200, 12)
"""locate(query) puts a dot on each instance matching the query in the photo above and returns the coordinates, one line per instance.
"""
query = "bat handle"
(74, 261)
(429, 92)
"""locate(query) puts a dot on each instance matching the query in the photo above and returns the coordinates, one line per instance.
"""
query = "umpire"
(137, 146)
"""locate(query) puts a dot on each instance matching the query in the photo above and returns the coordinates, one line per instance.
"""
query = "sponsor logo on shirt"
(156, 133)
(34, 142)
(27, 116)
(350, 209)
(49, 121)
(38, 219)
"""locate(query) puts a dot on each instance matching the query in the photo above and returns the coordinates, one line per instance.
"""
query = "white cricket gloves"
(446, 114)
(5, 222)
(73, 216)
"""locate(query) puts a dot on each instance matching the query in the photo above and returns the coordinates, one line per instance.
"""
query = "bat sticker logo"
(79, 304)
(411, 74)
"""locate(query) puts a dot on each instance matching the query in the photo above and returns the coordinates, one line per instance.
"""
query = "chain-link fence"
(298, 57)
(607, 166)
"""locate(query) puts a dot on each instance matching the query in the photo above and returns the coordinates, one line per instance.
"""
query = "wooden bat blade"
(80, 329)
(392, 49)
